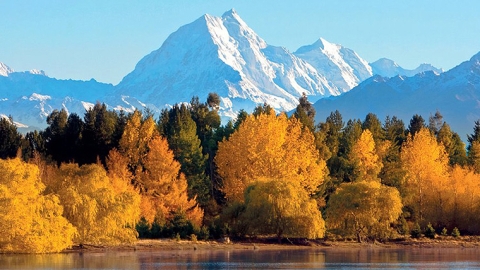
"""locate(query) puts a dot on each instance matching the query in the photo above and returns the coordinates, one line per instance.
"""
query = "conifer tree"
(180, 130)
(10, 138)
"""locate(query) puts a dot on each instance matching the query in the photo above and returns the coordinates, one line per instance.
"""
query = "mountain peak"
(230, 13)
(5, 70)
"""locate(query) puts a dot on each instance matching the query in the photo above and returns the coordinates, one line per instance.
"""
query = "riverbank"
(171, 244)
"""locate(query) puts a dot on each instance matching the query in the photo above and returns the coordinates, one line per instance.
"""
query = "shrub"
(204, 233)
(455, 232)
(430, 231)
(416, 231)
(143, 228)
(444, 232)
(403, 227)
(193, 237)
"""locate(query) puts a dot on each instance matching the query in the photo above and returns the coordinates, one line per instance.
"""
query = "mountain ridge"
(211, 54)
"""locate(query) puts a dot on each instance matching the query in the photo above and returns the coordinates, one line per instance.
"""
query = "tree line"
(110, 177)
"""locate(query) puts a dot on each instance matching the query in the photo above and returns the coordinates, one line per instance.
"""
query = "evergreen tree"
(34, 143)
(54, 136)
(394, 130)
(416, 124)
(435, 123)
(73, 138)
(263, 109)
(10, 138)
(454, 146)
(473, 148)
(305, 113)
(374, 124)
(180, 130)
(100, 134)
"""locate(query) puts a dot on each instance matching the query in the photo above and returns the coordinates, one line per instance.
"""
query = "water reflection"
(371, 258)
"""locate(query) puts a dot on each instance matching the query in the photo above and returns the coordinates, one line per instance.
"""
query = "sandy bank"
(169, 244)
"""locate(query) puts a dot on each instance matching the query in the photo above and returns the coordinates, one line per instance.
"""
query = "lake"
(366, 258)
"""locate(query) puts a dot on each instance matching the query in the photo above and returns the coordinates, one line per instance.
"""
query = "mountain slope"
(223, 55)
(388, 68)
(341, 66)
(30, 97)
(455, 93)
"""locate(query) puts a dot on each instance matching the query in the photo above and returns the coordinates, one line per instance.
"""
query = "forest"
(109, 177)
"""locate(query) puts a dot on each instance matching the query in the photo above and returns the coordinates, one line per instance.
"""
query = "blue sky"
(104, 39)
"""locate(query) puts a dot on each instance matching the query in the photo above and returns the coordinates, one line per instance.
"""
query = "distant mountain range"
(224, 55)
(455, 93)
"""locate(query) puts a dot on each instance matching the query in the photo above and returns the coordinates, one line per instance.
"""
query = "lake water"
(448, 258)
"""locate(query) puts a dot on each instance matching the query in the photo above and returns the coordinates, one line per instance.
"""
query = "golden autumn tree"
(426, 164)
(102, 210)
(367, 165)
(282, 208)
(29, 221)
(267, 146)
(138, 132)
(462, 210)
(164, 185)
(363, 209)
(151, 166)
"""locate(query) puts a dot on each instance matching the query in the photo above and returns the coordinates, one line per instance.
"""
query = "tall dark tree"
(100, 134)
(207, 120)
(435, 123)
(73, 137)
(305, 112)
(473, 148)
(33, 144)
(392, 173)
(332, 128)
(10, 138)
(374, 124)
(454, 146)
(54, 135)
(416, 124)
(180, 130)
(261, 109)
(394, 130)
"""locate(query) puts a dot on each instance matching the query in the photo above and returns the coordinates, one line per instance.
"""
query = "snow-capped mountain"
(224, 55)
(341, 66)
(212, 54)
(388, 68)
(5, 70)
(455, 93)
(29, 97)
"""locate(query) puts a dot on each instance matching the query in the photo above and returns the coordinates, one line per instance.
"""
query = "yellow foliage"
(164, 186)
(365, 158)
(135, 138)
(363, 209)
(29, 221)
(283, 208)
(463, 193)
(269, 147)
(426, 164)
(104, 211)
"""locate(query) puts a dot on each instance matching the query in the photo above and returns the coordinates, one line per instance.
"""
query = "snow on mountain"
(29, 97)
(455, 93)
(222, 55)
(341, 66)
(5, 70)
(388, 68)
(212, 54)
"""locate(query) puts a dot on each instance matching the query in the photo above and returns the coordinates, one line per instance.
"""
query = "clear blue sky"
(104, 39)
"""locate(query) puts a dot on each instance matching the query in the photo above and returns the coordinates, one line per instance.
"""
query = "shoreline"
(472, 242)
